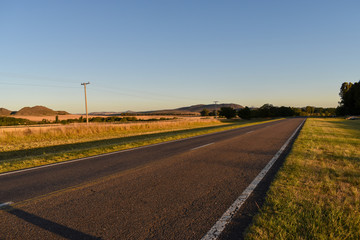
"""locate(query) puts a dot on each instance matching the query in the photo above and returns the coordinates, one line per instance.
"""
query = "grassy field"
(38, 146)
(316, 194)
(38, 136)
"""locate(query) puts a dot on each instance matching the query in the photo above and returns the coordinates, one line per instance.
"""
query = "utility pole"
(87, 120)
(216, 108)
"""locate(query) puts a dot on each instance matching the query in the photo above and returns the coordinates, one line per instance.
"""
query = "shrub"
(227, 112)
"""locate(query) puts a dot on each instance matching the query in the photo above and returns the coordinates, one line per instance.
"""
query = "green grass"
(30, 149)
(316, 194)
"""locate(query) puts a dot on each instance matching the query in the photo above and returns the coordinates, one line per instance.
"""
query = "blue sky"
(148, 55)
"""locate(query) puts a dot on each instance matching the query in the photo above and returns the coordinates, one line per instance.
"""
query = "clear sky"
(158, 54)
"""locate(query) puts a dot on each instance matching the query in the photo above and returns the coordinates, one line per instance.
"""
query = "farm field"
(29, 147)
(49, 118)
(53, 125)
(77, 116)
(316, 194)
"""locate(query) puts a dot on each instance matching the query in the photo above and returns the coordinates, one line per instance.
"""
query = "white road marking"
(202, 146)
(249, 132)
(220, 225)
(5, 204)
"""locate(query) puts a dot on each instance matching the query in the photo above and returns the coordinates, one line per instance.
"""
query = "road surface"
(175, 190)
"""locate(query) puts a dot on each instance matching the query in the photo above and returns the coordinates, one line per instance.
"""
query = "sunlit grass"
(27, 138)
(39, 147)
(316, 194)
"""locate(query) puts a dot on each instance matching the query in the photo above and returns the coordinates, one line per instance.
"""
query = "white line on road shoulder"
(202, 146)
(5, 204)
(220, 225)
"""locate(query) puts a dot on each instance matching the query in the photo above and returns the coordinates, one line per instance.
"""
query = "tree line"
(349, 105)
(269, 111)
(11, 121)
(112, 119)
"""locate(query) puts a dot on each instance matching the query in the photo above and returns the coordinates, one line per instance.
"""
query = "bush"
(245, 113)
(205, 112)
(227, 112)
(10, 121)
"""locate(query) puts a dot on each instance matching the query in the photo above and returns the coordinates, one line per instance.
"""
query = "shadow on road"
(48, 225)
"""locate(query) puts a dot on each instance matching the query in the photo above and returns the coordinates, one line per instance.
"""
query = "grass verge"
(59, 147)
(316, 194)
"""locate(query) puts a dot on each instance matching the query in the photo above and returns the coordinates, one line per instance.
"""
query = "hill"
(38, 111)
(4, 112)
(211, 107)
(191, 110)
(112, 113)
(169, 112)
(194, 109)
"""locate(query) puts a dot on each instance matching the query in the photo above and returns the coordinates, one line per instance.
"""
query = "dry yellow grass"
(49, 118)
(12, 139)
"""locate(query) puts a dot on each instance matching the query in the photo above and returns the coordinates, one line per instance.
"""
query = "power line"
(32, 77)
(34, 85)
(135, 93)
(149, 95)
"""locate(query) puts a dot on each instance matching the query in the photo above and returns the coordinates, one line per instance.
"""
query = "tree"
(245, 113)
(205, 112)
(227, 112)
(310, 110)
(266, 110)
(213, 113)
(350, 98)
(344, 89)
(285, 112)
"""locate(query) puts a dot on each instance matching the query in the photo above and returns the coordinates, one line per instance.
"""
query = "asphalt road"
(176, 190)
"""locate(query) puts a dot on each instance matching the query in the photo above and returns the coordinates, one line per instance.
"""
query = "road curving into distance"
(174, 190)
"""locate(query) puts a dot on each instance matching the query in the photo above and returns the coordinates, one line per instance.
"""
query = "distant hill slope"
(4, 112)
(191, 110)
(169, 112)
(200, 107)
(195, 109)
(38, 111)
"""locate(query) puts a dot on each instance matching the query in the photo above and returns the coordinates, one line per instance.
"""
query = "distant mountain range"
(210, 107)
(191, 110)
(32, 111)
